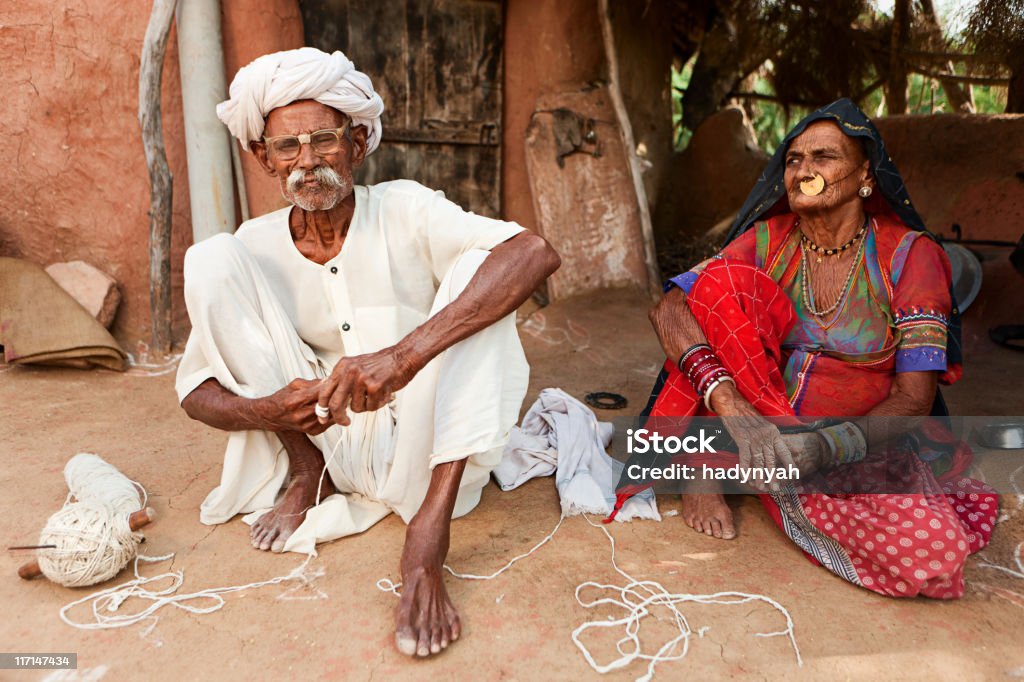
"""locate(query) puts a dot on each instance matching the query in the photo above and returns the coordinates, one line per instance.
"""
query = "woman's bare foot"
(705, 511)
(271, 530)
(426, 621)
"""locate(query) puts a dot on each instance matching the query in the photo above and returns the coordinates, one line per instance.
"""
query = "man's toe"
(405, 640)
(455, 624)
(278, 545)
(435, 640)
(257, 536)
(405, 633)
(267, 540)
(423, 644)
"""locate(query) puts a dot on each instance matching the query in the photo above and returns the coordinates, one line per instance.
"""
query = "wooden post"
(160, 180)
(646, 227)
(896, 82)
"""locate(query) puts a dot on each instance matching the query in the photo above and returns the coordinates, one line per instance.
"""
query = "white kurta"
(263, 314)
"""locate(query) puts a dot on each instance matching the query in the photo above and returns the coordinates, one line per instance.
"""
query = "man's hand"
(365, 383)
(291, 408)
(759, 442)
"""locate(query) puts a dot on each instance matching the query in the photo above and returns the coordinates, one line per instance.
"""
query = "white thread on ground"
(142, 368)
(110, 600)
(1018, 558)
(307, 586)
(637, 597)
(387, 585)
(638, 606)
(492, 576)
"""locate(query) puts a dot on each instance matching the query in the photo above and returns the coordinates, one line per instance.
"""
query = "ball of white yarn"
(89, 479)
(93, 543)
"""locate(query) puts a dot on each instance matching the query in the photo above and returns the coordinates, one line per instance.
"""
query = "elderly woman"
(830, 300)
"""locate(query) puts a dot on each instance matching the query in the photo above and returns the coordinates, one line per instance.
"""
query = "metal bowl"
(966, 272)
(1002, 435)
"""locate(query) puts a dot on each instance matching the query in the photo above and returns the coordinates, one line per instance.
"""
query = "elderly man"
(359, 345)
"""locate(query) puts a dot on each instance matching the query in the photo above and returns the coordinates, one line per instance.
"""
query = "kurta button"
(345, 326)
(334, 270)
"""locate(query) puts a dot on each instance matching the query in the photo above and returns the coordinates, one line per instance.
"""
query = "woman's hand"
(365, 383)
(758, 440)
(809, 450)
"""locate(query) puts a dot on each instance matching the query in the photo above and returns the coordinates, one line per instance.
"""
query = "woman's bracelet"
(703, 370)
(715, 384)
(846, 442)
(690, 351)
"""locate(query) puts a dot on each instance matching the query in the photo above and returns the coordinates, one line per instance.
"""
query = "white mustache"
(325, 175)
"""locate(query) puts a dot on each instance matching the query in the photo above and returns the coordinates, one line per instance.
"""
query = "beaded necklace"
(805, 278)
(820, 250)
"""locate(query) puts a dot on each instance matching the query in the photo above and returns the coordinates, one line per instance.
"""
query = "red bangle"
(701, 367)
(693, 359)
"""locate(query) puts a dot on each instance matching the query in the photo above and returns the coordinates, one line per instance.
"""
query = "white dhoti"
(460, 406)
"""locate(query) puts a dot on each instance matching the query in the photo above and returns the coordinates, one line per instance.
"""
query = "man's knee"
(213, 261)
(464, 269)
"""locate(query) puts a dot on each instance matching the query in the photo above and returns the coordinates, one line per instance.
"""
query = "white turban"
(278, 79)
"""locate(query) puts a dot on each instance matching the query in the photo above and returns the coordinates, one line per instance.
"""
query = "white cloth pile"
(562, 436)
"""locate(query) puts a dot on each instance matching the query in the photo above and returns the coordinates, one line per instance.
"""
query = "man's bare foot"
(426, 621)
(705, 511)
(271, 530)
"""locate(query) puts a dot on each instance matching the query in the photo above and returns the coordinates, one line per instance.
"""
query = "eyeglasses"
(323, 142)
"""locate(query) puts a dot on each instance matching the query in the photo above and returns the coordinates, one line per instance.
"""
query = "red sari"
(786, 363)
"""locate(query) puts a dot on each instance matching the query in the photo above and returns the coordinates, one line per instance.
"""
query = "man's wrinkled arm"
(503, 282)
(290, 409)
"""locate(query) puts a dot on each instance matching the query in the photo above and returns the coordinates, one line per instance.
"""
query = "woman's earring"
(865, 191)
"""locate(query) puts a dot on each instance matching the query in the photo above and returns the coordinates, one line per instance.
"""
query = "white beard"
(330, 190)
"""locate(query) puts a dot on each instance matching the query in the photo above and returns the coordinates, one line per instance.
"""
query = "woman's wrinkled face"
(823, 150)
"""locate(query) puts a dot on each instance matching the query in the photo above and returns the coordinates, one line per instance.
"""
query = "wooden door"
(437, 65)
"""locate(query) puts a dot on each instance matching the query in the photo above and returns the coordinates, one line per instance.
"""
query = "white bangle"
(715, 384)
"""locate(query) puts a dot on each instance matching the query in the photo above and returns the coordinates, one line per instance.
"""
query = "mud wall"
(74, 184)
